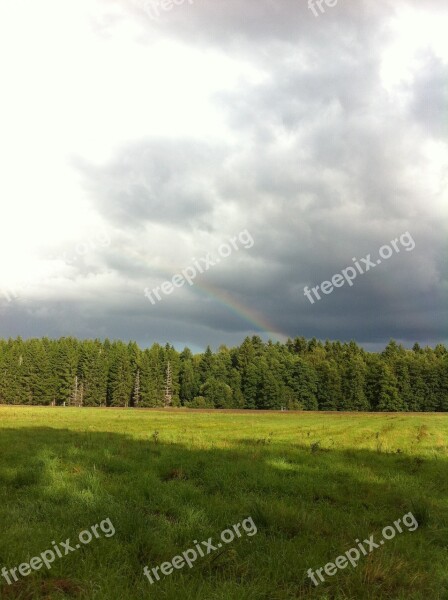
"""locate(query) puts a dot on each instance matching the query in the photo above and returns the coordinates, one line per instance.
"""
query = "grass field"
(312, 483)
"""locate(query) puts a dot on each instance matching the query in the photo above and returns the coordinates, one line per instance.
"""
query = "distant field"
(312, 483)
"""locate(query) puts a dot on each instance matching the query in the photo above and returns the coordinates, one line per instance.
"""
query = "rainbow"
(252, 316)
(258, 323)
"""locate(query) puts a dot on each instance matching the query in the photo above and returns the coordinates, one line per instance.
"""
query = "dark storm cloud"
(261, 26)
(264, 26)
(430, 96)
(122, 317)
(157, 181)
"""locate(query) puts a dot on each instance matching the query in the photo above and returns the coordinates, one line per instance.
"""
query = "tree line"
(300, 374)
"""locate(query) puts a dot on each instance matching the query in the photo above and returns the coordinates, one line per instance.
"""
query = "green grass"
(312, 483)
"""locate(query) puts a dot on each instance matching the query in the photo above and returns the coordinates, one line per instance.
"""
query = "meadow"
(313, 483)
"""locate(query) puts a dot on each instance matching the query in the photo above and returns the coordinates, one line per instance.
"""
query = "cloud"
(323, 137)
(159, 181)
(430, 96)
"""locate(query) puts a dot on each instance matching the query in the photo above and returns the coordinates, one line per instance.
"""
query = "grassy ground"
(312, 484)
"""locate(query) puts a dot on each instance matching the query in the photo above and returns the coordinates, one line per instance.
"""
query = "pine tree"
(119, 386)
(93, 373)
(389, 398)
(329, 386)
(268, 390)
(13, 390)
(189, 381)
(249, 385)
(433, 393)
(136, 392)
(152, 377)
(235, 385)
(401, 369)
(65, 365)
(353, 384)
(206, 365)
(416, 373)
(36, 373)
(443, 381)
(168, 399)
(298, 374)
(303, 382)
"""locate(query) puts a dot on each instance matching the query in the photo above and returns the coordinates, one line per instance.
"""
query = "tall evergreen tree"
(120, 380)
(329, 386)
(65, 364)
(353, 384)
(298, 374)
(303, 382)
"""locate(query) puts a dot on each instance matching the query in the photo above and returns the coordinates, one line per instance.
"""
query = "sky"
(266, 143)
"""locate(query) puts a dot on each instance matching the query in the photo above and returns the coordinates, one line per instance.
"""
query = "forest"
(298, 375)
